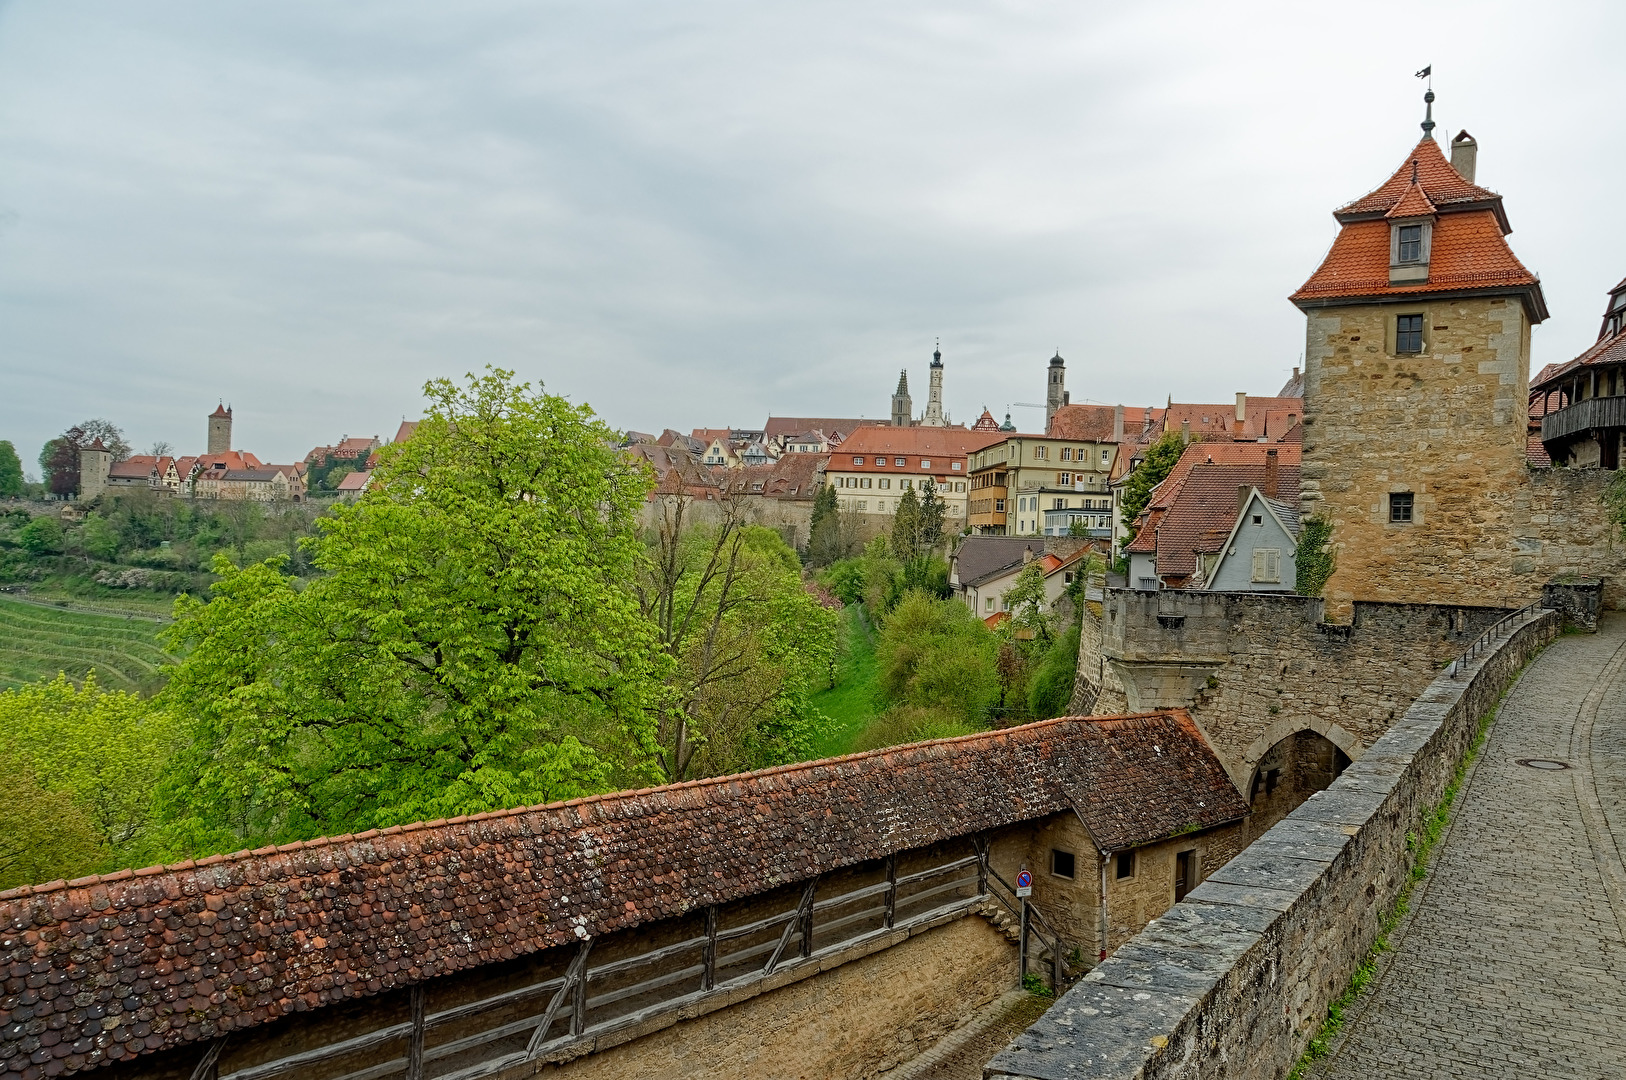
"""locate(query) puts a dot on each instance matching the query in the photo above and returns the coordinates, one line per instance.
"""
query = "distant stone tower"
(220, 430)
(934, 416)
(903, 408)
(1416, 374)
(1056, 389)
(94, 462)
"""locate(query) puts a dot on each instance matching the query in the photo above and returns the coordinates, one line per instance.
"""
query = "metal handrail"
(1491, 633)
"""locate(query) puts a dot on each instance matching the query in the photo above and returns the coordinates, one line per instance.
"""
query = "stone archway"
(1290, 762)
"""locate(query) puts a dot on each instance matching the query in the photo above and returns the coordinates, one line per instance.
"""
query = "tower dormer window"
(1411, 244)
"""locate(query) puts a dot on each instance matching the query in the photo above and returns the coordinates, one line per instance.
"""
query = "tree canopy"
(1154, 468)
(11, 471)
(471, 643)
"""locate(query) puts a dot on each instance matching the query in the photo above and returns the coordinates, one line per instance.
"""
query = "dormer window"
(1411, 244)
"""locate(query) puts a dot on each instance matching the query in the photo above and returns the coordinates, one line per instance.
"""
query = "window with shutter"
(1267, 565)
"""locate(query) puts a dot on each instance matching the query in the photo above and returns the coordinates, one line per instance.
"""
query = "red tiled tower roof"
(1469, 251)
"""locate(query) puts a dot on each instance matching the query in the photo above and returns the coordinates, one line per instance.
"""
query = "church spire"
(1428, 114)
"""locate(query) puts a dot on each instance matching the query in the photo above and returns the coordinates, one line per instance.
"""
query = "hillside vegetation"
(38, 642)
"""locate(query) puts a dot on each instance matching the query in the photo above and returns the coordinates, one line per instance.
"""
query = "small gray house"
(1258, 553)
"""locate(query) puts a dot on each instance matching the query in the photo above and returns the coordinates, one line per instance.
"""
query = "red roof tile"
(1469, 250)
(1200, 516)
(1442, 184)
(342, 918)
(1609, 350)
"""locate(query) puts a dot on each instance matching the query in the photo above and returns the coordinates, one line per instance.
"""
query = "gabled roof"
(1285, 515)
(356, 481)
(139, 467)
(1610, 350)
(349, 917)
(945, 442)
(981, 558)
(1468, 250)
(835, 428)
(404, 432)
(1094, 423)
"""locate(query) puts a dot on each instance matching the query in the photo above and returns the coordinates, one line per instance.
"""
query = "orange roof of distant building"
(930, 441)
(1095, 423)
(985, 422)
(356, 481)
(404, 432)
(835, 428)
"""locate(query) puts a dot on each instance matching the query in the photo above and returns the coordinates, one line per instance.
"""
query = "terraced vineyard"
(38, 641)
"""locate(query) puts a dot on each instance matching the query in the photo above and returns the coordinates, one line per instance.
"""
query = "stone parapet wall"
(1233, 982)
(1256, 667)
(1561, 531)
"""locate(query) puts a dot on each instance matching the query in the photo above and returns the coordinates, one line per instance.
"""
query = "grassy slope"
(851, 702)
(37, 642)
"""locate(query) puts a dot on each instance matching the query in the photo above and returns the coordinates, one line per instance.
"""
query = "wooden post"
(1055, 962)
(578, 1007)
(208, 1067)
(708, 955)
(807, 917)
(414, 1069)
(1024, 937)
(891, 890)
(982, 866)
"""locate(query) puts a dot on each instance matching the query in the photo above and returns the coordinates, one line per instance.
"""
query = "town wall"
(1255, 668)
(1232, 983)
(853, 1022)
(1447, 424)
(1561, 531)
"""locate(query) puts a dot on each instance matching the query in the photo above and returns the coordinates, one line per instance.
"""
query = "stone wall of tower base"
(1561, 532)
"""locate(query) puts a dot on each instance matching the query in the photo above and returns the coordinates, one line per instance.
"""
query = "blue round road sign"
(1024, 880)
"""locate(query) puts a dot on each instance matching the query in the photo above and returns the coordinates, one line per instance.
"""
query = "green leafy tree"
(1154, 468)
(472, 643)
(98, 537)
(104, 750)
(748, 645)
(931, 517)
(42, 536)
(11, 471)
(845, 579)
(883, 578)
(1025, 600)
(906, 525)
(1051, 688)
(44, 835)
(935, 654)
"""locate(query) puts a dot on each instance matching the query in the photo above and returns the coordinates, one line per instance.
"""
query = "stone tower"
(1416, 372)
(934, 416)
(220, 430)
(1055, 389)
(94, 462)
(903, 409)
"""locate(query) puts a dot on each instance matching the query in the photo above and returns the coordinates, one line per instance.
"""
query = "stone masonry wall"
(1254, 668)
(1447, 424)
(1560, 531)
(847, 1024)
(1232, 983)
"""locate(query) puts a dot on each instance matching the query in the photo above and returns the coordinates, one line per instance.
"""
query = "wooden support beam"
(891, 890)
(807, 917)
(414, 1069)
(708, 961)
(208, 1067)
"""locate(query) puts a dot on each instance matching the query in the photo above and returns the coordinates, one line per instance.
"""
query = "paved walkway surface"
(1514, 962)
(962, 1054)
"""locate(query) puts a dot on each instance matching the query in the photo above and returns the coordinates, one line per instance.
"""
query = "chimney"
(1241, 407)
(1464, 155)
(1118, 424)
(1185, 431)
(1295, 371)
(1272, 474)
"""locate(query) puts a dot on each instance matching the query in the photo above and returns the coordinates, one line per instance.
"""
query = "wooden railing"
(543, 1017)
(1599, 412)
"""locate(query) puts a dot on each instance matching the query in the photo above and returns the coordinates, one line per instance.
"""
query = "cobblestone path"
(1514, 963)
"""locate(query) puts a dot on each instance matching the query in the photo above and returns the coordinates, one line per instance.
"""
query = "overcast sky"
(700, 213)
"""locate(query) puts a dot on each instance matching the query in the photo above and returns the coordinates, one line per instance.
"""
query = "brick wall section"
(1254, 668)
(1231, 984)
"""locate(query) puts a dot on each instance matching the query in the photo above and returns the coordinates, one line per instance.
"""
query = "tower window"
(1411, 243)
(1409, 334)
(1400, 505)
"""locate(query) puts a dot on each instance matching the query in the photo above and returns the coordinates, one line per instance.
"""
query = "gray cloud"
(695, 214)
